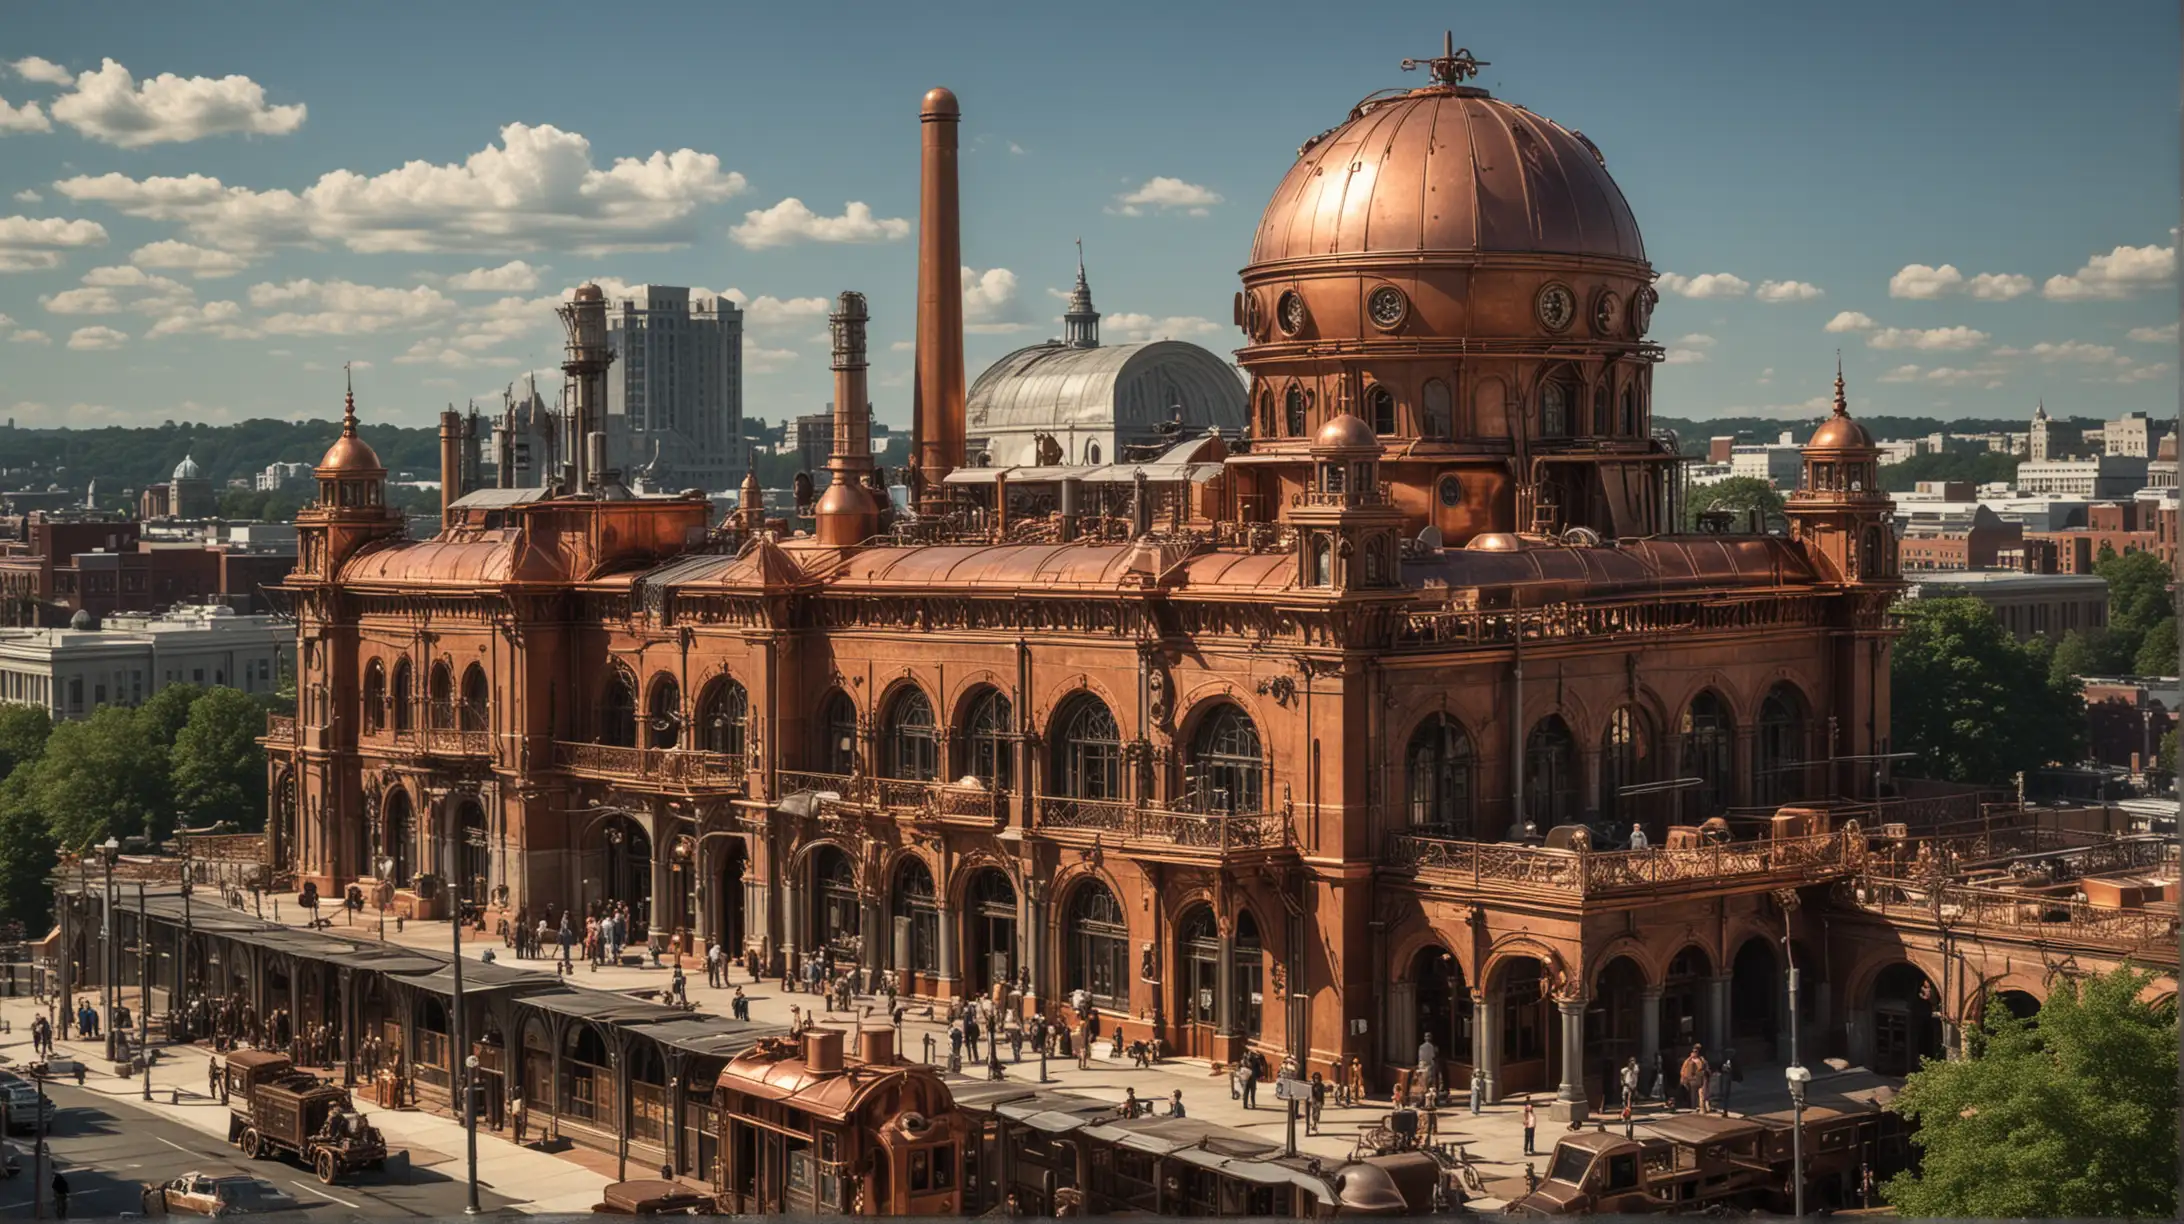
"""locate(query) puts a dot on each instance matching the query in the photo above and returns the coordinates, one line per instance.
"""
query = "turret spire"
(1081, 323)
(1842, 408)
(348, 408)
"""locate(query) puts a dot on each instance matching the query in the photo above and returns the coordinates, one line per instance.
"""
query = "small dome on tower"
(188, 470)
(1839, 432)
(350, 455)
(1346, 432)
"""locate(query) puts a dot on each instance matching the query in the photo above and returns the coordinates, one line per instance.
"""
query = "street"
(108, 1149)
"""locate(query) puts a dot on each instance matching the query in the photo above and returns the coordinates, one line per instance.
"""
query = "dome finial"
(1453, 66)
(1841, 407)
(348, 408)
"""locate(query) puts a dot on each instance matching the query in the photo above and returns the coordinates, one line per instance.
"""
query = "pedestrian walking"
(1692, 1075)
(1478, 1091)
(60, 1196)
(1660, 1081)
(1085, 1038)
(1531, 1128)
(1629, 1078)
(1315, 1105)
(716, 965)
(1251, 1086)
(520, 1112)
(1629, 1126)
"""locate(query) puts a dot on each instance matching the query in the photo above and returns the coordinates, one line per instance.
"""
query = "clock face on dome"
(1607, 312)
(1289, 312)
(1387, 307)
(1641, 308)
(1556, 307)
(1254, 317)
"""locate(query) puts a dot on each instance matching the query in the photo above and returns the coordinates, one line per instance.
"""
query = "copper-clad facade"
(1324, 741)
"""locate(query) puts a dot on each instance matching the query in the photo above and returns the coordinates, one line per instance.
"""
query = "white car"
(224, 1195)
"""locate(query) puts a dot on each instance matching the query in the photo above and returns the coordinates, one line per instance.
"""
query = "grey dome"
(188, 470)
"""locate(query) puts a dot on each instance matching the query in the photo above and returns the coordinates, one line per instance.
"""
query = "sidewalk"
(536, 1181)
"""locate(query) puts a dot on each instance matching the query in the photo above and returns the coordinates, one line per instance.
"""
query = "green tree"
(2138, 593)
(169, 709)
(218, 769)
(2090, 652)
(1973, 702)
(102, 776)
(2157, 651)
(1739, 495)
(23, 732)
(2165, 759)
(2072, 1115)
(27, 858)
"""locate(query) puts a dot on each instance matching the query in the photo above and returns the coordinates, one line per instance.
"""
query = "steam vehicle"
(275, 1109)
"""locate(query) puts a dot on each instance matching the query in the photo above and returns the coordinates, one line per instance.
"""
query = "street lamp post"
(1795, 1073)
(108, 961)
(144, 989)
(468, 1063)
(182, 962)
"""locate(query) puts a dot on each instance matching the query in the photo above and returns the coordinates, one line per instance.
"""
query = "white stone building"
(73, 671)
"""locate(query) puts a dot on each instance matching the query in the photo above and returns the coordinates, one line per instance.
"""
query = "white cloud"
(1901, 374)
(222, 319)
(515, 276)
(1696, 340)
(990, 306)
(201, 262)
(1946, 376)
(109, 104)
(761, 360)
(1930, 339)
(1766, 376)
(1705, 284)
(434, 351)
(2154, 335)
(1788, 291)
(1016, 149)
(790, 221)
(29, 244)
(97, 337)
(1132, 328)
(903, 346)
(1685, 356)
(30, 335)
(765, 310)
(1922, 282)
(25, 118)
(1851, 321)
(43, 71)
(1998, 286)
(28, 196)
(344, 308)
(537, 187)
(2121, 273)
(2140, 373)
(1162, 193)
(2067, 350)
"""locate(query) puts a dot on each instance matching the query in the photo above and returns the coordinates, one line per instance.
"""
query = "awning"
(600, 1007)
(710, 1037)
(480, 978)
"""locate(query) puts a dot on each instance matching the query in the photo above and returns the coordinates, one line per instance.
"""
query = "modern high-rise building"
(675, 390)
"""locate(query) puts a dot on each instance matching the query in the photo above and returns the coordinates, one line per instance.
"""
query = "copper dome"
(350, 455)
(1346, 432)
(1447, 168)
(1839, 432)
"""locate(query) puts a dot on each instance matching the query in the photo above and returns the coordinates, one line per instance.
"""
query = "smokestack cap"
(589, 293)
(940, 103)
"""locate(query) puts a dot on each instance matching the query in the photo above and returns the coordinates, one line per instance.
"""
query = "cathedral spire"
(1842, 408)
(348, 404)
(1081, 323)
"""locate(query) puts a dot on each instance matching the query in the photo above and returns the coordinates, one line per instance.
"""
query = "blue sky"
(204, 213)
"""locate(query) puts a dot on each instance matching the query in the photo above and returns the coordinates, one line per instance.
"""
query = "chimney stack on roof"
(937, 413)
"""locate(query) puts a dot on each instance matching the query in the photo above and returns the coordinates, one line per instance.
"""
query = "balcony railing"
(1789, 860)
(2029, 915)
(851, 789)
(1148, 827)
(663, 766)
(443, 742)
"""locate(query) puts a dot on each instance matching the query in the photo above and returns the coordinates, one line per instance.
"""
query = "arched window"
(1603, 413)
(1266, 413)
(1250, 983)
(838, 735)
(405, 697)
(1380, 408)
(1630, 411)
(839, 909)
(375, 697)
(912, 746)
(1439, 417)
(1554, 410)
(1437, 776)
(441, 698)
(1550, 773)
(1779, 774)
(1626, 747)
(476, 699)
(1226, 767)
(618, 709)
(1323, 561)
(473, 852)
(1099, 945)
(1293, 412)
(986, 739)
(663, 716)
(399, 843)
(722, 713)
(916, 900)
(1709, 755)
(1088, 753)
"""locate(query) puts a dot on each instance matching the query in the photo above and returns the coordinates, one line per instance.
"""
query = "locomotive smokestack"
(847, 514)
(938, 412)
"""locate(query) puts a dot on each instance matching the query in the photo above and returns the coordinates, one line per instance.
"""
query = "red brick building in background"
(60, 564)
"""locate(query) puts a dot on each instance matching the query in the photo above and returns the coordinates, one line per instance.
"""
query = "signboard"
(1287, 1088)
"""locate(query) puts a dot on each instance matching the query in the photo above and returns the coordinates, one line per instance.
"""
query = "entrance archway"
(1198, 961)
(473, 863)
(989, 913)
(398, 843)
(735, 860)
(837, 905)
(2018, 1003)
(1444, 1012)
(1905, 1028)
(1757, 994)
(1250, 984)
(1683, 1002)
(1614, 1026)
(619, 865)
(1531, 1057)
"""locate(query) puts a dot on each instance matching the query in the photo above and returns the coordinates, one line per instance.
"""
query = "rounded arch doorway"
(989, 916)
(618, 871)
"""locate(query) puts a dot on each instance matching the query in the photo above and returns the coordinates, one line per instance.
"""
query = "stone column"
(1717, 1017)
(1570, 1100)
(1486, 1027)
(1035, 937)
(663, 886)
(1224, 992)
(1649, 1033)
(1401, 1025)
(947, 974)
(792, 921)
(871, 941)
(758, 916)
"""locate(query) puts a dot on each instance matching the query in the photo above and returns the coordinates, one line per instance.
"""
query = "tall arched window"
(1439, 417)
(477, 699)
(1550, 773)
(1380, 408)
(1780, 771)
(441, 698)
(722, 713)
(1250, 985)
(839, 910)
(1088, 753)
(398, 844)
(1603, 413)
(473, 852)
(1266, 414)
(1323, 561)
(663, 715)
(1098, 942)
(838, 735)
(1709, 754)
(1630, 411)
(405, 697)
(1554, 410)
(1293, 412)
(1626, 747)
(1437, 776)
(1226, 766)
(916, 900)
(618, 709)
(375, 697)
(986, 739)
(912, 750)
(1198, 961)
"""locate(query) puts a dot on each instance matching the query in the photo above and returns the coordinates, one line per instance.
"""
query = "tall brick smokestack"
(937, 416)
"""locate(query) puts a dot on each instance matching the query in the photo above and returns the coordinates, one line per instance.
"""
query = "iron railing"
(2140, 931)
(1146, 826)
(1580, 873)
(670, 766)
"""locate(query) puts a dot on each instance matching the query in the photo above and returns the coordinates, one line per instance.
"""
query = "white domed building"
(186, 495)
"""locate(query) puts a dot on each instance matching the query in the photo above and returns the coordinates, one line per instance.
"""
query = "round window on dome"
(1557, 306)
(1254, 317)
(1641, 308)
(1451, 491)
(1607, 312)
(1388, 307)
(1289, 313)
